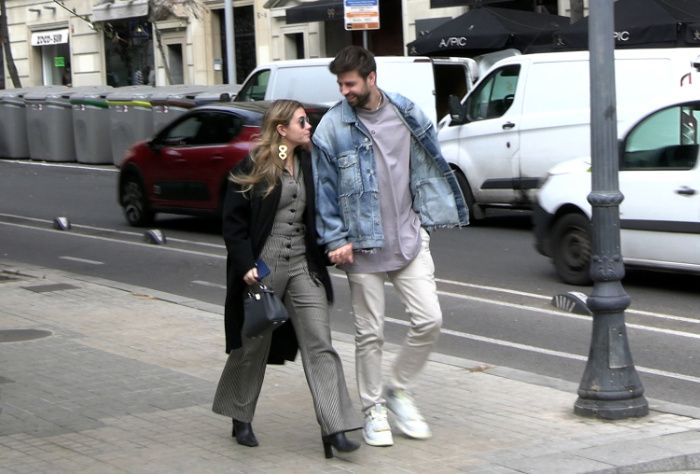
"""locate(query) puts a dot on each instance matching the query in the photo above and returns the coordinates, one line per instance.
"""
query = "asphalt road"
(494, 288)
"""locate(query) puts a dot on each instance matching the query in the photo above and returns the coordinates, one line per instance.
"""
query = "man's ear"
(372, 78)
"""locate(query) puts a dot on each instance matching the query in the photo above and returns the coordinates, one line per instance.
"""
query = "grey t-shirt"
(391, 140)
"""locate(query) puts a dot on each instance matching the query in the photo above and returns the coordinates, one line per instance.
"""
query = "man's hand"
(341, 255)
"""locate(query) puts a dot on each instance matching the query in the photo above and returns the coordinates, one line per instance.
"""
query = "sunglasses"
(303, 121)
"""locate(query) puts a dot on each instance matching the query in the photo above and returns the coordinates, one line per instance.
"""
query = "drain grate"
(19, 335)
(48, 288)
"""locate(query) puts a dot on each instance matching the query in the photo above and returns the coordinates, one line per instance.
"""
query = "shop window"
(129, 52)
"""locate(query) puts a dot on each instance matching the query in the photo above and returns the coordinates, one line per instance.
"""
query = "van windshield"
(255, 88)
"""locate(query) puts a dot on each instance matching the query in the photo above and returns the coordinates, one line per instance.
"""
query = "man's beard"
(361, 100)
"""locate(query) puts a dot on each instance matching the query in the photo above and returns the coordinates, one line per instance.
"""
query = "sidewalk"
(124, 383)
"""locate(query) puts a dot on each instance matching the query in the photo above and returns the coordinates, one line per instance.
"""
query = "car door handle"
(508, 125)
(685, 191)
(217, 157)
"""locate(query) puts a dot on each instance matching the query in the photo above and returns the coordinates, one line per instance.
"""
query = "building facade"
(127, 42)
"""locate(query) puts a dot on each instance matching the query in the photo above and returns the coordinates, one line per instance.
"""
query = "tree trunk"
(5, 40)
(162, 54)
(576, 10)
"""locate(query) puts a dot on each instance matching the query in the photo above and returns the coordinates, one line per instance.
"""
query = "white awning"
(119, 10)
(49, 37)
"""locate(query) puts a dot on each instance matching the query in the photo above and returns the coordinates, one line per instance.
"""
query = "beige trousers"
(415, 284)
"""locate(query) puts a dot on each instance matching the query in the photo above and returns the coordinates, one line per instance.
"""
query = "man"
(381, 185)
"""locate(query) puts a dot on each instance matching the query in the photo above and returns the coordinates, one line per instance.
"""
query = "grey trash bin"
(91, 131)
(130, 118)
(13, 124)
(219, 93)
(170, 102)
(47, 126)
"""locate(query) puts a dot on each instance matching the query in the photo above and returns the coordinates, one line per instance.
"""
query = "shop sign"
(47, 38)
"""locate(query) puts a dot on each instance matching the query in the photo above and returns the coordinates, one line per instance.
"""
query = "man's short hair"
(353, 58)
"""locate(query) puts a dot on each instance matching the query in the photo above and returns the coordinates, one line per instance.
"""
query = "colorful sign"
(361, 14)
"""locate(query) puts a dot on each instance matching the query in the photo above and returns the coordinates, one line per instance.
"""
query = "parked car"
(660, 214)
(185, 167)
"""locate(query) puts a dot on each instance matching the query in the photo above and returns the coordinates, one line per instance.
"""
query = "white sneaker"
(408, 418)
(377, 431)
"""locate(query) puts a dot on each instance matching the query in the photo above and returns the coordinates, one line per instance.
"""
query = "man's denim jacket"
(347, 196)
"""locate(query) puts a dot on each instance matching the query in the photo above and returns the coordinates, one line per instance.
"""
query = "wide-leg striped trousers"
(241, 380)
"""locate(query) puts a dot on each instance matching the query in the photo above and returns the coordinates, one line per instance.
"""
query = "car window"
(494, 96)
(667, 139)
(218, 128)
(183, 132)
(255, 88)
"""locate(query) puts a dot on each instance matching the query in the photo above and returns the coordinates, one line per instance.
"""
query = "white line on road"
(81, 260)
(117, 241)
(338, 275)
(61, 165)
(208, 283)
(540, 350)
(116, 231)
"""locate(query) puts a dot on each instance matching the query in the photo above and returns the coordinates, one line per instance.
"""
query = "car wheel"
(571, 249)
(136, 208)
(475, 212)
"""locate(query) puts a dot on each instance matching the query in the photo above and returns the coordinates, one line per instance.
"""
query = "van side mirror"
(457, 110)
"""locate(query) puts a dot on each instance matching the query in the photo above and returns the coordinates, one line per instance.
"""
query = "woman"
(269, 215)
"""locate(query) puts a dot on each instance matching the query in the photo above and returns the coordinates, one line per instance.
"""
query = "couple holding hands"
(364, 200)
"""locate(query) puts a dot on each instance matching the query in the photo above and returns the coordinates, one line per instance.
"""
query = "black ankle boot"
(243, 432)
(340, 442)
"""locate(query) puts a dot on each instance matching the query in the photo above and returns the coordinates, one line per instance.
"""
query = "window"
(219, 128)
(255, 88)
(667, 139)
(184, 132)
(494, 96)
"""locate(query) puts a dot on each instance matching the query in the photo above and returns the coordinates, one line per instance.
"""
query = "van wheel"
(571, 249)
(136, 208)
(475, 212)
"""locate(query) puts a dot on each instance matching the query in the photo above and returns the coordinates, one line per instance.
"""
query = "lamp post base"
(612, 409)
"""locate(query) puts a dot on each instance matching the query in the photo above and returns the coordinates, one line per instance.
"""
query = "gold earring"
(282, 152)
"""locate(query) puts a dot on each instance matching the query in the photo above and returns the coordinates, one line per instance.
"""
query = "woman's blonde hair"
(267, 166)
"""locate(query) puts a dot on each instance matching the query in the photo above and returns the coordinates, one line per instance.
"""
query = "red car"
(184, 168)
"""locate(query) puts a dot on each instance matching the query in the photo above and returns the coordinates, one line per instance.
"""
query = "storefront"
(53, 49)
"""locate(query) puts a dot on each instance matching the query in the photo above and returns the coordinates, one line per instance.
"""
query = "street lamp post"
(610, 387)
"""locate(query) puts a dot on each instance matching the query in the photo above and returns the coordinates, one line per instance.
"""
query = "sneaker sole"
(378, 443)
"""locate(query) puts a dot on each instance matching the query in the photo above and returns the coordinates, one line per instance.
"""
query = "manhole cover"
(18, 335)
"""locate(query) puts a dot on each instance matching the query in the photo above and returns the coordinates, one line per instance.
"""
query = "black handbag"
(262, 310)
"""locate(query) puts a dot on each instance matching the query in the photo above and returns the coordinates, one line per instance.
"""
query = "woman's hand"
(251, 276)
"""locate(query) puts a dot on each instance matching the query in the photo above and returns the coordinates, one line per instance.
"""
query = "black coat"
(247, 222)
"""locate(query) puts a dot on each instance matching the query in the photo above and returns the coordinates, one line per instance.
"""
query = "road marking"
(208, 283)
(540, 350)
(61, 165)
(115, 231)
(81, 260)
(338, 275)
(117, 241)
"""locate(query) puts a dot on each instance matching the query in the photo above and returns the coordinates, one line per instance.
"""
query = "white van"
(530, 112)
(427, 82)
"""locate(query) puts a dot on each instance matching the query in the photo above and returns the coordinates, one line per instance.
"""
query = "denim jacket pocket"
(435, 202)
(349, 177)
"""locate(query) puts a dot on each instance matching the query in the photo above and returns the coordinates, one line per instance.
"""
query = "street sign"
(361, 14)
